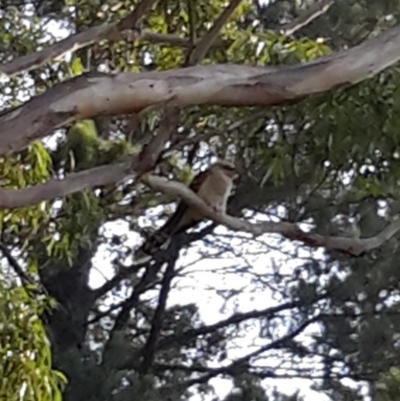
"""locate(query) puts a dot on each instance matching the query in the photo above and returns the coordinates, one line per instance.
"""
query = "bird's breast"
(215, 191)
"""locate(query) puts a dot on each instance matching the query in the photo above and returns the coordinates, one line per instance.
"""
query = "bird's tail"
(161, 239)
(158, 240)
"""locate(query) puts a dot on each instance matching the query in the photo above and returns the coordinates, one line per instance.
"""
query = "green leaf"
(76, 66)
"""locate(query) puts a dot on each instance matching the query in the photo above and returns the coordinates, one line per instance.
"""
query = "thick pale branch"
(91, 95)
(99, 176)
(352, 246)
(75, 42)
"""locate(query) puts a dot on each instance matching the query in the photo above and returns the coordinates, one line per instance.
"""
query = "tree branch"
(30, 285)
(126, 272)
(152, 151)
(351, 246)
(314, 11)
(204, 44)
(169, 39)
(147, 280)
(78, 41)
(230, 369)
(25, 279)
(109, 174)
(91, 95)
(235, 319)
(150, 348)
(98, 176)
(262, 373)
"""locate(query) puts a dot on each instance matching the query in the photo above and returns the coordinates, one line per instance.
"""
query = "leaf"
(76, 66)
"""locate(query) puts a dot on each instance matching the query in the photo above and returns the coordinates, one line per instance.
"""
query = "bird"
(213, 186)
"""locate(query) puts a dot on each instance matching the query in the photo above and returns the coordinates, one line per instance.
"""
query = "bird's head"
(226, 168)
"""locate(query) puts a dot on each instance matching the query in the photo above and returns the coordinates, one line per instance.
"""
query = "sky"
(195, 288)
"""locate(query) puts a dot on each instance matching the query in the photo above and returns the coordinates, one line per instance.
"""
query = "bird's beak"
(237, 171)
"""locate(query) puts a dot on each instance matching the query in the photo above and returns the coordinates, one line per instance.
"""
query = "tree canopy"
(108, 111)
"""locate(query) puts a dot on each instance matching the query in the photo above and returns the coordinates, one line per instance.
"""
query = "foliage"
(27, 168)
(25, 354)
(329, 163)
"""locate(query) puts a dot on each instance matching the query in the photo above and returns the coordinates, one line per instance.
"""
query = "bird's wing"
(179, 221)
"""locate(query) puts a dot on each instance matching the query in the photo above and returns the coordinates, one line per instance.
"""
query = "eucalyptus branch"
(92, 94)
(291, 231)
(54, 188)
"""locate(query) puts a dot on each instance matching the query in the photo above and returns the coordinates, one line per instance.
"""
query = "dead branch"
(91, 95)
(352, 246)
(307, 17)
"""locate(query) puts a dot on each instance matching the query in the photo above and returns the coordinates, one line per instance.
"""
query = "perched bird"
(213, 186)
